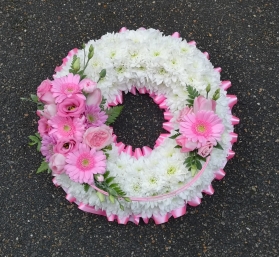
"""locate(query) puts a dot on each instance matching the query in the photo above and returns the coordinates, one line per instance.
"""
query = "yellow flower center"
(201, 128)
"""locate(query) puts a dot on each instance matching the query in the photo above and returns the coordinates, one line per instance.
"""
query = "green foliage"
(43, 167)
(175, 136)
(86, 187)
(218, 146)
(34, 99)
(113, 189)
(113, 113)
(193, 93)
(36, 139)
(102, 74)
(193, 162)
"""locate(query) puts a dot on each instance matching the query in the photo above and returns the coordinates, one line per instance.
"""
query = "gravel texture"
(240, 219)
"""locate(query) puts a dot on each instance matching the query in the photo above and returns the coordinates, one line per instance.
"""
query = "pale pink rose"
(49, 111)
(72, 106)
(187, 146)
(201, 103)
(87, 85)
(65, 147)
(205, 150)
(43, 126)
(57, 163)
(43, 92)
(100, 177)
(94, 98)
(98, 137)
(183, 113)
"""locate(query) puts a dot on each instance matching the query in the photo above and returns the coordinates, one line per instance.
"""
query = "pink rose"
(205, 150)
(98, 137)
(201, 103)
(183, 113)
(64, 147)
(57, 163)
(100, 177)
(187, 146)
(43, 126)
(43, 92)
(94, 98)
(72, 106)
(87, 85)
(49, 111)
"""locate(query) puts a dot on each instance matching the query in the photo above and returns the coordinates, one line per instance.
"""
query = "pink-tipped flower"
(202, 127)
(201, 103)
(57, 163)
(71, 107)
(94, 98)
(65, 87)
(87, 85)
(186, 110)
(67, 128)
(94, 116)
(83, 163)
(43, 92)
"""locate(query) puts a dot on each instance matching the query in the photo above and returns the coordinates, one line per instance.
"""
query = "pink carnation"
(65, 87)
(83, 163)
(72, 106)
(44, 92)
(67, 128)
(98, 137)
(202, 127)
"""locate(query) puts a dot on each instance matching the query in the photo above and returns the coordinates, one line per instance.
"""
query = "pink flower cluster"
(200, 127)
(72, 127)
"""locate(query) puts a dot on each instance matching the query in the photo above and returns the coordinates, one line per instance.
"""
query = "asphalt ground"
(240, 219)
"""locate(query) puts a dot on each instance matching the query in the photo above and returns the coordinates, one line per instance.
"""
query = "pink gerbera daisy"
(94, 116)
(67, 127)
(65, 87)
(202, 127)
(83, 163)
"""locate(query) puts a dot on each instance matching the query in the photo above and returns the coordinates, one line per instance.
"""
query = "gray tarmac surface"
(240, 219)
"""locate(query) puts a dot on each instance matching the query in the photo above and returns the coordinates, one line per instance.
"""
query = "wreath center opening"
(140, 122)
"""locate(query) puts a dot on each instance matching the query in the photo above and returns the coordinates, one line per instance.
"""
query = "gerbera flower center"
(201, 128)
(69, 88)
(67, 128)
(85, 162)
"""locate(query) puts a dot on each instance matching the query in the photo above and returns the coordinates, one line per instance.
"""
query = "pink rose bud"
(201, 103)
(43, 92)
(72, 106)
(205, 150)
(185, 111)
(87, 85)
(57, 163)
(187, 146)
(100, 178)
(50, 110)
(98, 137)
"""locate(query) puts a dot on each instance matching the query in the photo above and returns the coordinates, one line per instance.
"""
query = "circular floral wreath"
(106, 177)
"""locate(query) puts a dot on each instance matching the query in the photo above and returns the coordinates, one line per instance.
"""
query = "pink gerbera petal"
(84, 163)
(66, 86)
(202, 127)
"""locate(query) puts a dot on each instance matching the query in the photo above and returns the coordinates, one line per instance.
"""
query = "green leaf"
(113, 113)
(198, 164)
(109, 180)
(175, 136)
(127, 199)
(34, 98)
(218, 146)
(121, 206)
(86, 187)
(100, 196)
(43, 167)
(106, 174)
(111, 198)
(178, 146)
(193, 93)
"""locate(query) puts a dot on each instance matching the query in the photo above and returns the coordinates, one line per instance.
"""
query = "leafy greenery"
(43, 167)
(34, 99)
(218, 146)
(193, 93)
(113, 189)
(36, 139)
(113, 113)
(86, 187)
(175, 136)
(193, 162)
